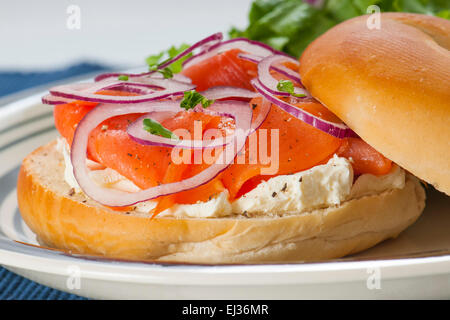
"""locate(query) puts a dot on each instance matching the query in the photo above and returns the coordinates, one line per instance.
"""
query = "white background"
(34, 34)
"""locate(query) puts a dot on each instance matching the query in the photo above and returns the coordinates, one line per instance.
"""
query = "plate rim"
(139, 272)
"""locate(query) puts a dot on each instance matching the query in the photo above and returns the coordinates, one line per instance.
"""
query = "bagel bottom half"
(77, 224)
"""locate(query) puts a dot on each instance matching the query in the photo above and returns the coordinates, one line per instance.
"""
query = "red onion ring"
(86, 91)
(246, 45)
(133, 76)
(258, 121)
(222, 92)
(288, 73)
(335, 129)
(82, 87)
(52, 100)
(110, 197)
(136, 132)
(202, 44)
(270, 83)
(138, 88)
(205, 43)
(132, 88)
(265, 109)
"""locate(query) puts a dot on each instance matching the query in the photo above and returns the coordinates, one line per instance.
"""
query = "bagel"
(390, 85)
(77, 224)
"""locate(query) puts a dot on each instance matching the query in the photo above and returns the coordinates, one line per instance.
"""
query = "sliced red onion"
(86, 91)
(288, 73)
(110, 197)
(52, 100)
(222, 92)
(335, 129)
(137, 88)
(270, 83)
(263, 113)
(205, 43)
(137, 133)
(133, 76)
(246, 45)
(159, 116)
(202, 44)
(142, 87)
(81, 87)
(180, 77)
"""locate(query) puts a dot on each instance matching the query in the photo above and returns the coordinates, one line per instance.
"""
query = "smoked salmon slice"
(225, 69)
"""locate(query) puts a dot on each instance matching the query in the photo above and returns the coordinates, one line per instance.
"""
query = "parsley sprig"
(154, 127)
(155, 61)
(192, 98)
(166, 72)
(288, 86)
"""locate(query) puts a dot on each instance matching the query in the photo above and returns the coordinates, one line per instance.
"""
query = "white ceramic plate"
(415, 265)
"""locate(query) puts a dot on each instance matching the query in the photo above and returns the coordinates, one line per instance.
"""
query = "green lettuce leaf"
(290, 25)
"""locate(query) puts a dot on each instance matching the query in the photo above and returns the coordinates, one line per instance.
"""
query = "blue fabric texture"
(13, 286)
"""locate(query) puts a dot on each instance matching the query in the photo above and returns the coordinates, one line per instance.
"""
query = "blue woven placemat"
(13, 286)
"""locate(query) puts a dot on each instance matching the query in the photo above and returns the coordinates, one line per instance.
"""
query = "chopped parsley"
(166, 72)
(123, 78)
(154, 61)
(288, 86)
(192, 98)
(154, 127)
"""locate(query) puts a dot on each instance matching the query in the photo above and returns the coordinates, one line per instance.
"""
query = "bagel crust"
(77, 224)
(391, 86)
